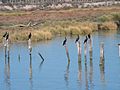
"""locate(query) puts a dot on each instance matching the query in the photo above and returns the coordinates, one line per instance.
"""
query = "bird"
(64, 42)
(77, 39)
(89, 36)
(85, 41)
(29, 36)
(5, 34)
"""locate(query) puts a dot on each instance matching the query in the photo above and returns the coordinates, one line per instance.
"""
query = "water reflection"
(102, 70)
(41, 64)
(7, 74)
(66, 76)
(79, 70)
(91, 73)
(30, 72)
(86, 76)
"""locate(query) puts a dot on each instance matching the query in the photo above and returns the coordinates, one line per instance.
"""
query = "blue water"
(55, 73)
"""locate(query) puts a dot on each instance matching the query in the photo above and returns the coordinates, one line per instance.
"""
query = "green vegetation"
(109, 17)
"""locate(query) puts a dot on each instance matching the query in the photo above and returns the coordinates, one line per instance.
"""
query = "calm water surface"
(23, 72)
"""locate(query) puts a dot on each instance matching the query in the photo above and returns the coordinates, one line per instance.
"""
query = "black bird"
(89, 36)
(85, 41)
(29, 37)
(64, 42)
(5, 34)
(77, 39)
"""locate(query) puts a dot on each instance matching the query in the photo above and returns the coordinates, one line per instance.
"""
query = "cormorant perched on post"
(29, 37)
(85, 41)
(77, 39)
(5, 34)
(89, 36)
(64, 42)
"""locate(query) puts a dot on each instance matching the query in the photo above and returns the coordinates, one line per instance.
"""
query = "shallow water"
(21, 73)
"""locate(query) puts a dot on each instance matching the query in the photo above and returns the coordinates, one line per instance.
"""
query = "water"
(55, 73)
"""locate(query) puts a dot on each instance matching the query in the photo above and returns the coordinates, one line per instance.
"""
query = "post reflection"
(7, 74)
(41, 64)
(102, 70)
(66, 76)
(79, 70)
(91, 74)
(30, 72)
(86, 75)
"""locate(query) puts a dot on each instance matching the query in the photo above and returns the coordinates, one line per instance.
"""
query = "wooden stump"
(67, 53)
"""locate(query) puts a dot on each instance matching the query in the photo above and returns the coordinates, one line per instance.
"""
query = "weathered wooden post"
(85, 46)
(5, 45)
(66, 49)
(29, 44)
(67, 53)
(90, 46)
(119, 49)
(85, 49)
(101, 53)
(79, 51)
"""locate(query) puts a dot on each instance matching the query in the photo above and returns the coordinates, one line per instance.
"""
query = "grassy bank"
(67, 23)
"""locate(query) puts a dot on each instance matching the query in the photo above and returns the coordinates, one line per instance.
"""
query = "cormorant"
(89, 36)
(29, 37)
(77, 39)
(5, 34)
(85, 41)
(64, 42)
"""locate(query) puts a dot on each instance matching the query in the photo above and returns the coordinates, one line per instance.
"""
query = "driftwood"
(30, 24)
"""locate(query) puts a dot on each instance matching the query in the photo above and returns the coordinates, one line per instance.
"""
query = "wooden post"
(67, 53)
(29, 46)
(79, 51)
(8, 49)
(101, 53)
(90, 48)
(119, 49)
(85, 49)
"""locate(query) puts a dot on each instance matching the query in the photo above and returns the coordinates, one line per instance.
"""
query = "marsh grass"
(50, 29)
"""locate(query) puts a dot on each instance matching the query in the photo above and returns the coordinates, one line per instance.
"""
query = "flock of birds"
(77, 39)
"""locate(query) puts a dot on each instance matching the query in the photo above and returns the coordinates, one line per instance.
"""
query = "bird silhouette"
(64, 42)
(85, 41)
(77, 39)
(89, 36)
(5, 34)
(29, 36)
